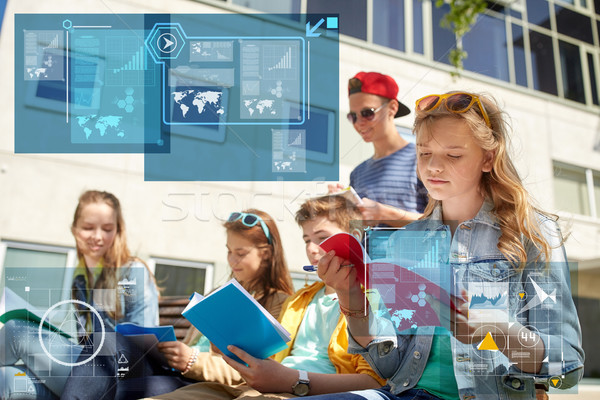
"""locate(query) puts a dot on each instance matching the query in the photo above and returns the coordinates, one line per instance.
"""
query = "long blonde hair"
(502, 185)
(116, 256)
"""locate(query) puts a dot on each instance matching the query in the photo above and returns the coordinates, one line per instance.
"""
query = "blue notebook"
(162, 333)
(230, 315)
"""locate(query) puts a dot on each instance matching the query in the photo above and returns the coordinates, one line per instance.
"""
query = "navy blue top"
(392, 180)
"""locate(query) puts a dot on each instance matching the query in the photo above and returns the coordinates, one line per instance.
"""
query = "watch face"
(301, 389)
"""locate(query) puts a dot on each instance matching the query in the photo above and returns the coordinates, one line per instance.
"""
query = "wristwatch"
(302, 387)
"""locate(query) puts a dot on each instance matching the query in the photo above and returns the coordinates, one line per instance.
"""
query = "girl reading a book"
(257, 261)
(315, 360)
(256, 258)
(499, 247)
(108, 283)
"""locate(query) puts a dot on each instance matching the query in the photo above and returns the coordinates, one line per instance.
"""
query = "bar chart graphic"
(53, 43)
(137, 63)
(127, 62)
(280, 62)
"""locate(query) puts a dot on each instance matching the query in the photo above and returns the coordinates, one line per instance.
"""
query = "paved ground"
(585, 392)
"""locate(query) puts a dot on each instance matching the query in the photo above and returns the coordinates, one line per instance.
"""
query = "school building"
(539, 58)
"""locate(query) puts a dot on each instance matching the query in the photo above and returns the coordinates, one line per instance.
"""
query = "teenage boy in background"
(391, 192)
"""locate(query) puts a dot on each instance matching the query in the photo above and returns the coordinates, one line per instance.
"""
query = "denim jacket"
(136, 291)
(474, 260)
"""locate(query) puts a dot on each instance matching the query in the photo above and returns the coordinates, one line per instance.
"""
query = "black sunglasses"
(366, 113)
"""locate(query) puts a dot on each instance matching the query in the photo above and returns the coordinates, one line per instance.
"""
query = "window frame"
(70, 264)
(207, 266)
(586, 8)
(589, 183)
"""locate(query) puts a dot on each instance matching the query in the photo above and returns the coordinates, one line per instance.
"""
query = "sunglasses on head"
(366, 113)
(250, 220)
(457, 103)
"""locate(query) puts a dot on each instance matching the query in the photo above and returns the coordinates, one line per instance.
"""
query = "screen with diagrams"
(204, 97)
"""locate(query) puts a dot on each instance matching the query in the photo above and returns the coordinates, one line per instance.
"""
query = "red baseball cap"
(380, 85)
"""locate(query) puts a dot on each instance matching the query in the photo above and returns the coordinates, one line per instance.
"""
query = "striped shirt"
(392, 180)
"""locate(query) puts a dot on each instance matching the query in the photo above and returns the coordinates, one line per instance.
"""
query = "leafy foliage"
(461, 17)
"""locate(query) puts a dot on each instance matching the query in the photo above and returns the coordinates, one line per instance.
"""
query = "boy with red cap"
(392, 194)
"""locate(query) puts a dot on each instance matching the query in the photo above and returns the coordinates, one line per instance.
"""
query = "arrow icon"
(543, 295)
(168, 43)
(310, 32)
(540, 297)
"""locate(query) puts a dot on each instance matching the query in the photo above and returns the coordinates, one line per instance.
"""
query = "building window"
(352, 14)
(573, 24)
(576, 189)
(519, 55)
(542, 62)
(523, 42)
(38, 273)
(593, 81)
(2, 9)
(587, 311)
(572, 75)
(417, 8)
(182, 278)
(389, 29)
(270, 6)
(444, 39)
(485, 45)
(538, 13)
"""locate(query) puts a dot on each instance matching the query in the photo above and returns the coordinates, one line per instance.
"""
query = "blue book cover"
(231, 316)
(162, 333)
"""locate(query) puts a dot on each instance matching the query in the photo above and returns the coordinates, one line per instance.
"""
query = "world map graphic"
(101, 125)
(263, 106)
(198, 105)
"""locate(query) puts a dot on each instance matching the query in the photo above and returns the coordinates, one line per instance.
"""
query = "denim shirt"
(473, 257)
(136, 291)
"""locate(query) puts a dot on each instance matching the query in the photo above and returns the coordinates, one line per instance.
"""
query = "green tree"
(461, 17)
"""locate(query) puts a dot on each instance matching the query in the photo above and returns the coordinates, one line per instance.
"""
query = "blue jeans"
(38, 377)
(377, 394)
(105, 378)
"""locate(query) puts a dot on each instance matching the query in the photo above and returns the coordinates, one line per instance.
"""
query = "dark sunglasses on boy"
(365, 113)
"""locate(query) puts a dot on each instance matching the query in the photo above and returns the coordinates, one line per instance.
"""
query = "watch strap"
(302, 387)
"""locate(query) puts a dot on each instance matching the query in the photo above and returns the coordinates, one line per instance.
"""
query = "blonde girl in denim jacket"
(513, 325)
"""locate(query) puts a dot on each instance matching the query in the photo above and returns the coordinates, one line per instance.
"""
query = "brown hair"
(512, 203)
(116, 256)
(276, 276)
(335, 208)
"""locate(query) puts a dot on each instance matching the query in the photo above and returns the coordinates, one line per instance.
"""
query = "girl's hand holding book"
(266, 376)
(332, 271)
(177, 354)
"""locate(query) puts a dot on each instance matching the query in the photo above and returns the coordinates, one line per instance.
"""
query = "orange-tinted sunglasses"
(455, 102)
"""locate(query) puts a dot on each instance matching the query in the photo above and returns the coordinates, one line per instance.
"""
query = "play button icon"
(166, 43)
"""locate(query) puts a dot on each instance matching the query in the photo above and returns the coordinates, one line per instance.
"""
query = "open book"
(403, 291)
(13, 306)
(147, 337)
(162, 333)
(231, 316)
(26, 315)
(350, 194)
